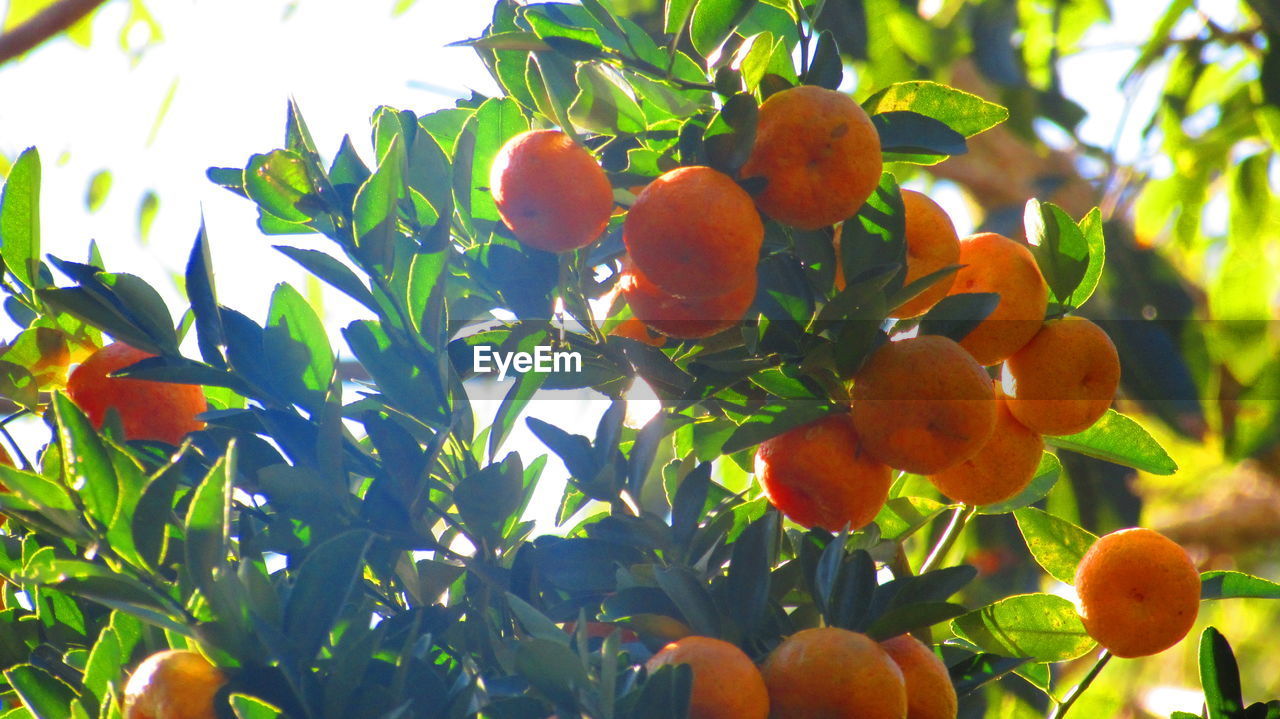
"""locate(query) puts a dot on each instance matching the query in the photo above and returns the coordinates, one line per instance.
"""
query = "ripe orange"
(826, 672)
(995, 263)
(726, 683)
(633, 328)
(930, 694)
(173, 684)
(820, 154)
(1001, 469)
(1139, 592)
(1064, 379)
(923, 404)
(550, 191)
(694, 233)
(819, 476)
(932, 244)
(149, 410)
(691, 318)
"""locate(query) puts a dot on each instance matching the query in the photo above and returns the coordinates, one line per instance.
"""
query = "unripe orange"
(819, 476)
(173, 684)
(148, 410)
(1064, 379)
(930, 694)
(994, 263)
(830, 673)
(550, 191)
(726, 683)
(923, 404)
(819, 153)
(694, 232)
(1139, 592)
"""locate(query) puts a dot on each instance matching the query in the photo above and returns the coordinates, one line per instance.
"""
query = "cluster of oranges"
(815, 673)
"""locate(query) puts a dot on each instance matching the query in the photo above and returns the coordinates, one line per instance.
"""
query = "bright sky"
(236, 62)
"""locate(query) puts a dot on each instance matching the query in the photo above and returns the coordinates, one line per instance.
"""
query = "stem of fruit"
(959, 518)
(1064, 706)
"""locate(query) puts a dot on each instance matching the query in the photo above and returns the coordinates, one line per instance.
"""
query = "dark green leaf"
(1060, 249)
(911, 137)
(714, 20)
(955, 316)
(322, 584)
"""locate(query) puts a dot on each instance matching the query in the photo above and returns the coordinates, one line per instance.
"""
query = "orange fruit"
(173, 684)
(819, 476)
(726, 683)
(1064, 379)
(829, 673)
(694, 233)
(1139, 592)
(690, 318)
(995, 263)
(932, 244)
(633, 328)
(550, 191)
(1000, 470)
(820, 154)
(923, 404)
(930, 694)
(148, 410)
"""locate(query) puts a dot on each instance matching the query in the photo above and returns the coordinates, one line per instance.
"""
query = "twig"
(44, 25)
(1064, 706)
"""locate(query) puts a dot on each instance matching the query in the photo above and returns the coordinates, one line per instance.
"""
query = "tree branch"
(44, 25)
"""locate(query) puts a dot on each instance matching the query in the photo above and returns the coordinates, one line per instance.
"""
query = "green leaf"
(99, 186)
(714, 20)
(296, 347)
(1039, 627)
(204, 301)
(955, 316)
(20, 219)
(911, 137)
(772, 421)
(320, 590)
(1220, 676)
(278, 181)
(495, 122)
(247, 707)
(732, 133)
(333, 272)
(552, 668)
(603, 106)
(1059, 247)
(963, 112)
(902, 516)
(1056, 544)
(208, 527)
(1121, 440)
(86, 465)
(43, 694)
(1224, 584)
(1091, 227)
(376, 205)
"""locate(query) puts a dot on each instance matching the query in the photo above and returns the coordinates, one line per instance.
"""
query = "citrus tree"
(229, 517)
